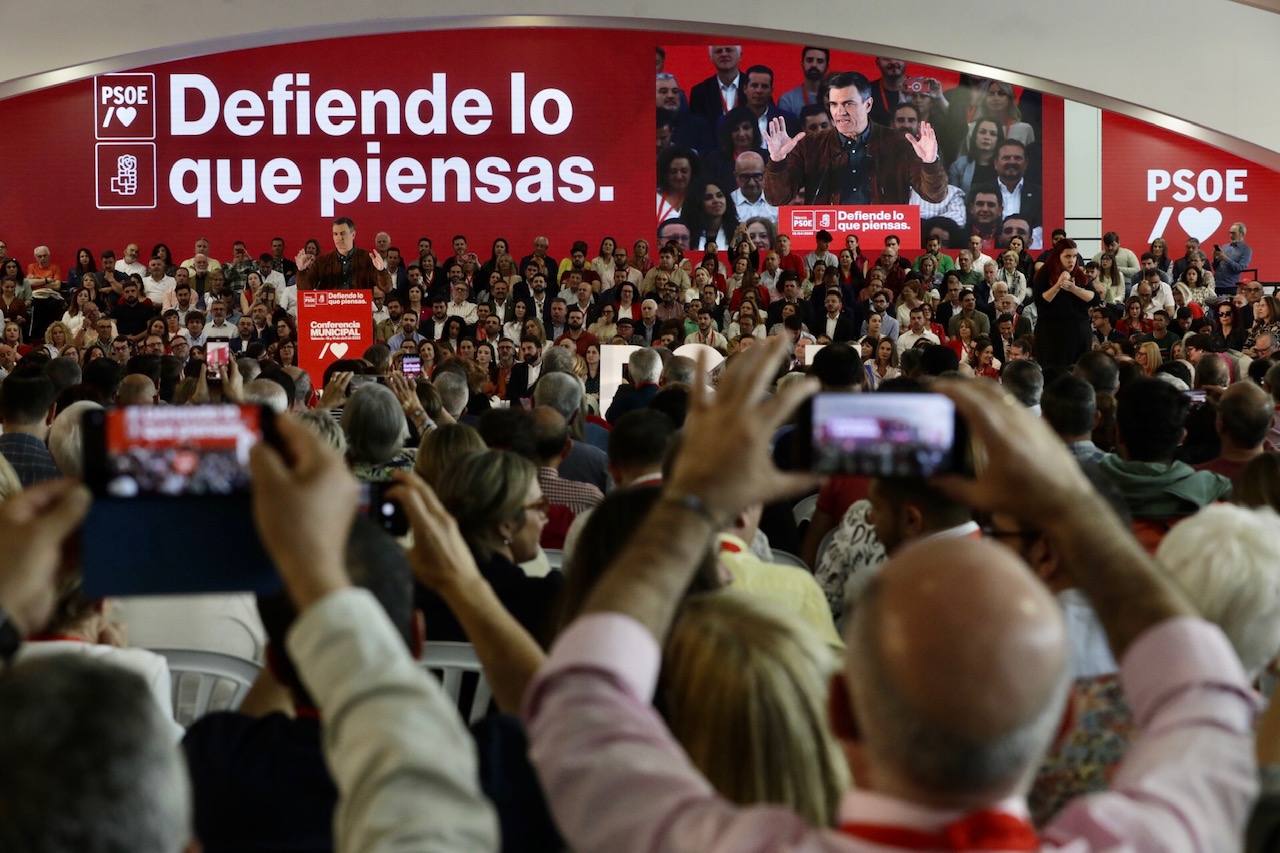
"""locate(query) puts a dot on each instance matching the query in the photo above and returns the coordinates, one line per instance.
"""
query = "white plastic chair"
(786, 558)
(206, 681)
(803, 511)
(449, 662)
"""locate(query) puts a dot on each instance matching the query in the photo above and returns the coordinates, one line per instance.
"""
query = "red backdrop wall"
(50, 172)
(1158, 184)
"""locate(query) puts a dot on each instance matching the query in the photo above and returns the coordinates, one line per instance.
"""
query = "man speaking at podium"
(345, 268)
(854, 161)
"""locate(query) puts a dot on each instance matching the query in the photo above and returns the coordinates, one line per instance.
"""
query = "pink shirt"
(616, 780)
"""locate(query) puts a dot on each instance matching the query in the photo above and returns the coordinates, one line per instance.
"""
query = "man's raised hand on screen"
(780, 142)
(926, 147)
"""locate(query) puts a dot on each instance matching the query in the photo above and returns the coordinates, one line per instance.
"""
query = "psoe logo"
(312, 299)
(802, 222)
(826, 219)
(124, 106)
(1208, 187)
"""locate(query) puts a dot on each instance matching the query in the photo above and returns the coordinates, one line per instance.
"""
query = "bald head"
(957, 673)
(550, 435)
(136, 390)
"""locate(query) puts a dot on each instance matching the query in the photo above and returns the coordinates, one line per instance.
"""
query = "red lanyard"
(982, 830)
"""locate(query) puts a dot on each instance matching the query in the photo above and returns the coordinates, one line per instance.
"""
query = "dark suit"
(1031, 207)
(325, 273)
(518, 384)
(844, 328)
(775, 311)
(705, 100)
(630, 399)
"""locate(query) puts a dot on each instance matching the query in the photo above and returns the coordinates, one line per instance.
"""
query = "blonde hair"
(441, 446)
(1154, 359)
(745, 689)
(54, 326)
(10, 485)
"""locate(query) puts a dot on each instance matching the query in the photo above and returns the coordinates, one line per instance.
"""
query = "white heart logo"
(126, 115)
(1199, 223)
(339, 350)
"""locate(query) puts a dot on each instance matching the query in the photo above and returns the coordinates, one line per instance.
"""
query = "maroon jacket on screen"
(819, 161)
(325, 273)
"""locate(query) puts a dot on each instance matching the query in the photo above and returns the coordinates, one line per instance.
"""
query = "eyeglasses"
(752, 176)
(1224, 313)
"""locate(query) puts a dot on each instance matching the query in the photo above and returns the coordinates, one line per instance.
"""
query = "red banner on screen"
(332, 324)
(276, 141)
(870, 223)
(1158, 184)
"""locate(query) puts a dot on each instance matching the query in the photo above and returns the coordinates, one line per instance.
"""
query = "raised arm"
(443, 562)
(1188, 779)
(615, 778)
(401, 757)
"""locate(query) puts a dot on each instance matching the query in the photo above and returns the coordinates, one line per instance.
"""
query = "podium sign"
(870, 223)
(332, 324)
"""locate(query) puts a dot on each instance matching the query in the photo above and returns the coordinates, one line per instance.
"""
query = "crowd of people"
(733, 150)
(1072, 649)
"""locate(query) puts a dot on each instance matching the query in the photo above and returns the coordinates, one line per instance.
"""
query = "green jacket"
(1163, 490)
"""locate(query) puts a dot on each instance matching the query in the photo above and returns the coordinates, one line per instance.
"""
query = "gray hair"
(924, 749)
(374, 423)
(1227, 559)
(66, 440)
(645, 366)
(681, 369)
(454, 392)
(250, 369)
(558, 360)
(301, 385)
(267, 393)
(560, 391)
(326, 427)
(85, 741)
(1024, 380)
(1240, 225)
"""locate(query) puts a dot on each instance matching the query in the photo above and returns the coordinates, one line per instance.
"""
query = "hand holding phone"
(217, 355)
(881, 435)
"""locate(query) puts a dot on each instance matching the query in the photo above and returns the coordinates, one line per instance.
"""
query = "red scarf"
(981, 830)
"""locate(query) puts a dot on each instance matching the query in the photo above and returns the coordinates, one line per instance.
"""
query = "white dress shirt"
(748, 209)
(1011, 198)
(908, 339)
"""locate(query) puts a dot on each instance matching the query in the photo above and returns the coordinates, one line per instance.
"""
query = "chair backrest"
(803, 511)
(207, 681)
(450, 662)
(786, 558)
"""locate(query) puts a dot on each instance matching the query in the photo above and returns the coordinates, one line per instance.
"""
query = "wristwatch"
(10, 638)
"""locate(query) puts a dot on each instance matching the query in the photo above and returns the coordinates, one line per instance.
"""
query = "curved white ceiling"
(1206, 68)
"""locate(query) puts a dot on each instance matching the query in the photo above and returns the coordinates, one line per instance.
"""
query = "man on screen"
(813, 62)
(345, 268)
(856, 162)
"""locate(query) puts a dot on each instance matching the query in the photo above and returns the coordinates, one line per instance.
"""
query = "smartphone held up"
(881, 435)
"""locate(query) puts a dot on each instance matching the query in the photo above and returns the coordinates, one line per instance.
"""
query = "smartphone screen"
(172, 512)
(217, 354)
(1196, 396)
(386, 513)
(881, 435)
(411, 366)
(173, 451)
